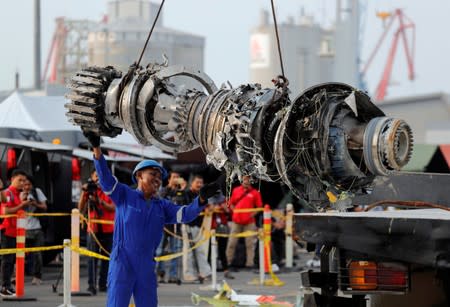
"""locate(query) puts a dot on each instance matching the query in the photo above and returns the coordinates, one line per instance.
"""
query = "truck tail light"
(363, 275)
(369, 275)
(392, 276)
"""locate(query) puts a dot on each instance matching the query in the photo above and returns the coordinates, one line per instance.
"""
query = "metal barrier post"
(261, 256)
(288, 231)
(184, 249)
(20, 260)
(67, 275)
(267, 226)
(213, 259)
(20, 256)
(75, 262)
(213, 285)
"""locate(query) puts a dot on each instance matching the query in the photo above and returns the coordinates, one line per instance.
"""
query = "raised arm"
(186, 214)
(109, 183)
(182, 214)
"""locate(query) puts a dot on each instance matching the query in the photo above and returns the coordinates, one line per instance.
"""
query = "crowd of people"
(21, 194)
(97, 204)
(229, 216)
(225, 219)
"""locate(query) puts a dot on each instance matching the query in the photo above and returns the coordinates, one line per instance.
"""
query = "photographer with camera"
(34, 232)
(97, 205)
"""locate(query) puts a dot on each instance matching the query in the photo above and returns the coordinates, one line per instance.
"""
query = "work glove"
(209, 190)
(92, 137)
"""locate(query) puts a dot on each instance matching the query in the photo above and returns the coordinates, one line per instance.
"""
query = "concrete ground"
(169, 294)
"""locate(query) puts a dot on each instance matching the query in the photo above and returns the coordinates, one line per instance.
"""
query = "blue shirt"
(139, 222)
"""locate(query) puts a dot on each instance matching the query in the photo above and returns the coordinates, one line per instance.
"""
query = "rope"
(150, 33)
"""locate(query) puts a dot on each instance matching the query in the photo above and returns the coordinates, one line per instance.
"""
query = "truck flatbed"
(420, 236)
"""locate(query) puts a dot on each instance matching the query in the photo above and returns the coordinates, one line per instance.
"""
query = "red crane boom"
(404, 24)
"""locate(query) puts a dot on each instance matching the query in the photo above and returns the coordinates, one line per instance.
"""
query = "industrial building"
(311, 54)
(119, 39)
(428, 115)
(429, 118)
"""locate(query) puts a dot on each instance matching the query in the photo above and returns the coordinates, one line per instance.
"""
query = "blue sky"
(226, 26)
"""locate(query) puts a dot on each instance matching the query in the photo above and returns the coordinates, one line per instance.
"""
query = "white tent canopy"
(43, 118)
(37, 113)
(37, 118)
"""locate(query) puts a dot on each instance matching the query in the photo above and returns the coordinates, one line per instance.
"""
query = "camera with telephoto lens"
(91, 186)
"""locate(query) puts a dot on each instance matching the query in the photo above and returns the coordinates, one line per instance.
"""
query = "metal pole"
(261, 257)
(75, 274)
(67, 273)
(67, 278)
(213, 260)
(184, 249)
(288, 232)
(213, 285)
(37, 44)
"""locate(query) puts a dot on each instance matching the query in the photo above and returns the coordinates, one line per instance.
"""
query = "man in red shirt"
(13, 204)
(243, 197)
(98, 206)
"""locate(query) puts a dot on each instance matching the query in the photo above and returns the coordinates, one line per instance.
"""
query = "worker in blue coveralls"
(138, 227)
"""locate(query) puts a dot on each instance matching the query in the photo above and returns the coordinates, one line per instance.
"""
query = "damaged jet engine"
(331, 135)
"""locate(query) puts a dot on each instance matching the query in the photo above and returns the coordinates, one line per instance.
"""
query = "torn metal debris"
(331, 135)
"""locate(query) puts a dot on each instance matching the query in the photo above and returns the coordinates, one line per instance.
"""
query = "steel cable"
(278, 39)
(150, 33)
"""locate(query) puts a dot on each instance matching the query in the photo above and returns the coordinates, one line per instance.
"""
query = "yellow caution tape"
(6, 251)
(5, 216)
(176, 255)
(86, 252)
(248, 210)
(171, 233)
(244, 234)
(48, 214)
(96, 221)
(202, 228)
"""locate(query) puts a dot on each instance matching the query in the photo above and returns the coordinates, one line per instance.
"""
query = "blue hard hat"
(149, 163)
